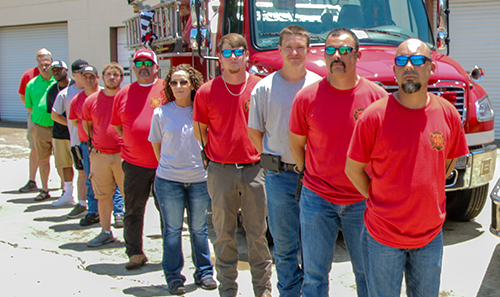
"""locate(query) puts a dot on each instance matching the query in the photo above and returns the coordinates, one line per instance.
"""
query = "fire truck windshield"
(375, 22)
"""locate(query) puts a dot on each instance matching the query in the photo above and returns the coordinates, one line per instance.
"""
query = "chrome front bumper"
(474, 169)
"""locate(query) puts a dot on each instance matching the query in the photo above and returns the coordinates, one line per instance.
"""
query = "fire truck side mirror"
(196, 41)
(476, 74)
(198, 13)
(443, 13)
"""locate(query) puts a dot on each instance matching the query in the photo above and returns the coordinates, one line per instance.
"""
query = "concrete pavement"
(43, 253)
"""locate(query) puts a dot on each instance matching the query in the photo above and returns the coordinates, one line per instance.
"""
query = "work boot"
(136, 261)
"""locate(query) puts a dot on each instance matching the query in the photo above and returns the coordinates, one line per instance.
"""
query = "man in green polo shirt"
(36, 103)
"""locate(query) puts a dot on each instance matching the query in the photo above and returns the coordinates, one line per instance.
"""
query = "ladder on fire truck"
(158, 27)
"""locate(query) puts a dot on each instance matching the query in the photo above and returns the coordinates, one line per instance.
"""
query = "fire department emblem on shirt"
(155, 102)
(437, 140)
(247, 105)
(357, 114)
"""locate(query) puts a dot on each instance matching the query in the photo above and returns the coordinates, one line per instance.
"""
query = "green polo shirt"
(36, 98)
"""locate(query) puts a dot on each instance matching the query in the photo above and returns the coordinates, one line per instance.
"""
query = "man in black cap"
(60, 135)
(61, 107)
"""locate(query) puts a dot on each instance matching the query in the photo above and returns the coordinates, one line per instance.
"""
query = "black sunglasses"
(415, 60)
(174, 83)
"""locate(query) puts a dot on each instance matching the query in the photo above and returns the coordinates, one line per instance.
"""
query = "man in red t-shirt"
(132, 112)
(41, 55)
(323, 117)
(235, 179)
(411, 139)
(106, 171)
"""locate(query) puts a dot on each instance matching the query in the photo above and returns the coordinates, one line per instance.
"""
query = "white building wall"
(88, 26)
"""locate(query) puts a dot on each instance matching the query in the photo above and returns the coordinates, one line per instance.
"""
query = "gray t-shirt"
(180, 160)
(61, 105)
(270, 106)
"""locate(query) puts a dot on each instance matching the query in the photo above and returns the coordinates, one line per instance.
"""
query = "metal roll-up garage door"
(475, 40)
(18, 47)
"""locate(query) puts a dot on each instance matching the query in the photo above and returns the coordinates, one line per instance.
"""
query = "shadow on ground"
(82, 246)
(156, 290)
(46, 206)
(58, 219)
(489, 285)
(457, 232)
(119, 269)
(18, 193)
(72, 227)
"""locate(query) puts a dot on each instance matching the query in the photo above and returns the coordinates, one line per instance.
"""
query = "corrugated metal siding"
(475, 40)
(18, 47)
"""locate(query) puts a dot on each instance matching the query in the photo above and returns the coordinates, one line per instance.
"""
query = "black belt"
(287, 167)
(237, 165)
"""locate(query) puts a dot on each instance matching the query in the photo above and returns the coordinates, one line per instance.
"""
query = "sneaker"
(207, 283)
(78, 211)
(90, 219)
(177, 287)
(28, 187)
(101, 239)
(66, 199)
(118, 221)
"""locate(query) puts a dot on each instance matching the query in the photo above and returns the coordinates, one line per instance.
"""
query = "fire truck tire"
(464, 205)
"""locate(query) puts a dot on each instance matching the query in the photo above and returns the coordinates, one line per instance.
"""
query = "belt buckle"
(238, 166)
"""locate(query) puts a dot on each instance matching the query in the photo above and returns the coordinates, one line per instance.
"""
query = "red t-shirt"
(133, 109)
(407, 150)
(27, 76)
(227, 119)
(327, 117)
(97, 109)
(75, 113)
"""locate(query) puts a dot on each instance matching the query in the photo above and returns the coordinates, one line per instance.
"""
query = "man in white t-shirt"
(270, 105)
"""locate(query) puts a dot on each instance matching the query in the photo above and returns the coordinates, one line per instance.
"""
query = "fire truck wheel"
(464, 205)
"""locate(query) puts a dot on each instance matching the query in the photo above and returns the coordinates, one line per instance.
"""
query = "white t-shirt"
(180, 160)
(61, 105)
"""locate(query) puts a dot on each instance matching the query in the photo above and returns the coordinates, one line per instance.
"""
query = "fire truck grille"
(457, 92)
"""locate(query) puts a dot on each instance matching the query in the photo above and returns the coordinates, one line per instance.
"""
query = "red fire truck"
(188, 32)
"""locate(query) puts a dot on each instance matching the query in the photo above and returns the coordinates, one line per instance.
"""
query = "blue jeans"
(173, 197)
(320, 221)
(284, 223)
(385, 266)
(91, 201)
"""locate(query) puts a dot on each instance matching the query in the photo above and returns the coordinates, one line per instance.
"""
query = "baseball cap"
(78, 65)
(89, 69)
(58, 64)
(145, 53)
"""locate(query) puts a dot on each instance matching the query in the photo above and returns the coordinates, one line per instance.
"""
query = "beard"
(337, 61)
(112, 86)
(61, 78)
(144, 73)
(234, 71)
(411, 87)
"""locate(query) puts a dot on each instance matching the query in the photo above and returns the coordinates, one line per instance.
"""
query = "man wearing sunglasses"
(323, 117)
(132, 112)
(235, 180)
(411, 139)
(270, 107)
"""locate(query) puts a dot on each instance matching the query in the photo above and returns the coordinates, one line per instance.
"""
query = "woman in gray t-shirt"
(181, 180)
